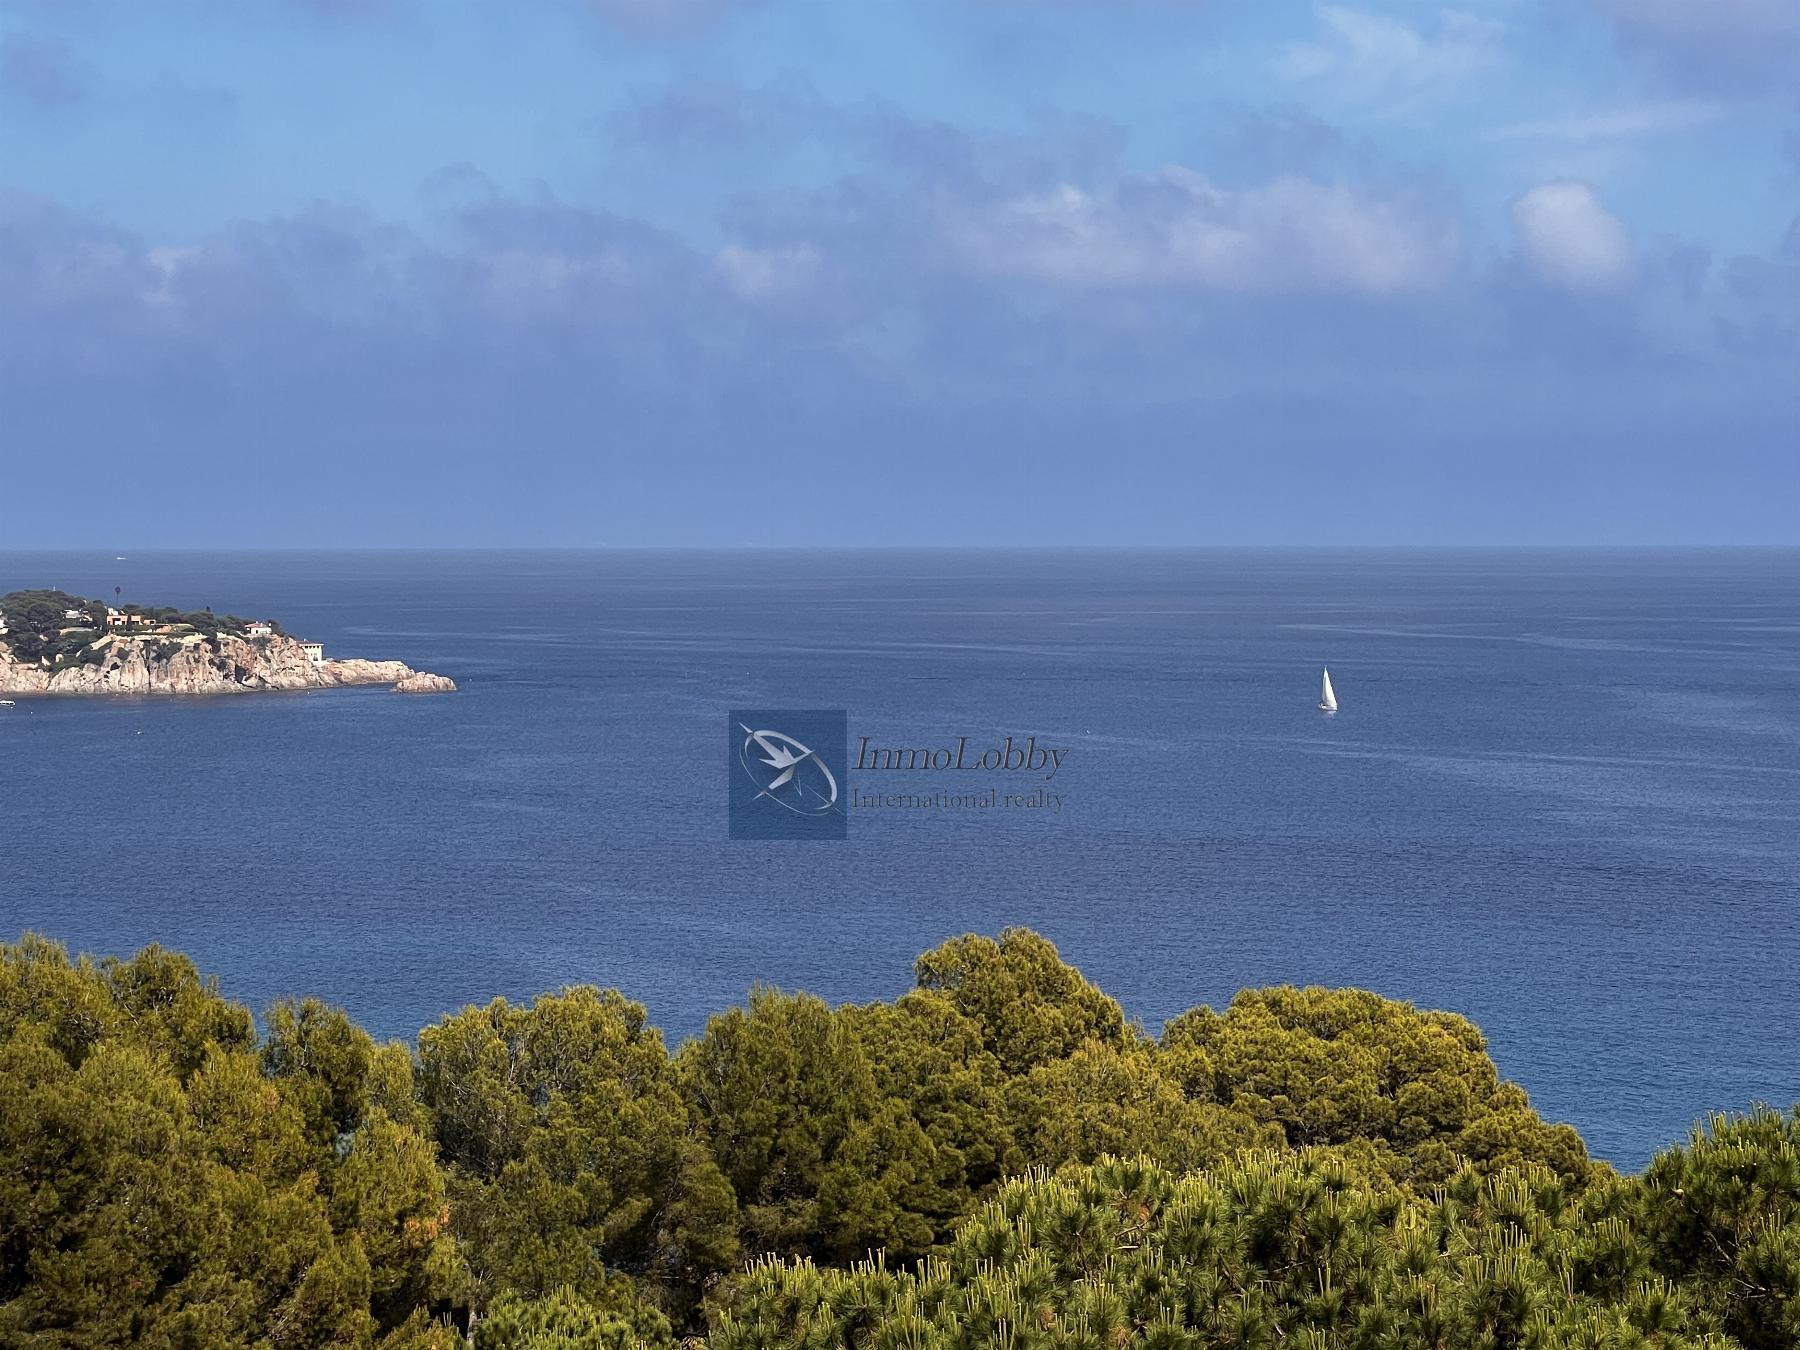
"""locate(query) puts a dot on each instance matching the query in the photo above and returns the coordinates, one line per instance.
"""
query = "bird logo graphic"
(788, 773)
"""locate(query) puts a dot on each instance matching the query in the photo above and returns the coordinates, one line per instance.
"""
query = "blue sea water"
(1560, 798)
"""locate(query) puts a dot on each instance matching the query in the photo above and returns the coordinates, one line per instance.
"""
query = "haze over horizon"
(351, 273)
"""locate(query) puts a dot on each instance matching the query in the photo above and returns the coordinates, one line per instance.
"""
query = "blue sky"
(412, 272)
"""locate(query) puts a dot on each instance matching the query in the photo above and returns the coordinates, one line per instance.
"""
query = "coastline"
(224, 665)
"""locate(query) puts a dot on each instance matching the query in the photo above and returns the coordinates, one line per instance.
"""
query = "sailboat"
(1327, 699)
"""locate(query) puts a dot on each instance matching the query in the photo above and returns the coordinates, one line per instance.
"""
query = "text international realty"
(991, 800)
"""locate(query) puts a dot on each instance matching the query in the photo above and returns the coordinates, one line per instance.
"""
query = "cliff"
(221, 664)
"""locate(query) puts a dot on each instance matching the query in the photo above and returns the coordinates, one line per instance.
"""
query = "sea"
(1561, 795)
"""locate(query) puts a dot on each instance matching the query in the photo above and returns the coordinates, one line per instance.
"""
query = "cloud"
(1724, 44)
(1051, 203)
(550, 265)
(1647, 119)
(1767, 292)
(521, 364)
(943, 264)
(768, 273)
(1259, 142)
(55, 260)
(1377, 59)
(1569, 239)
(1175, 228)
(41, 71)
(716, 115)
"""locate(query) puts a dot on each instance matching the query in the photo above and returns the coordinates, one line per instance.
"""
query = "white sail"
(1327, 699)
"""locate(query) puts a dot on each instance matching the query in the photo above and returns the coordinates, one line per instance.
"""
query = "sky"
(304, 273)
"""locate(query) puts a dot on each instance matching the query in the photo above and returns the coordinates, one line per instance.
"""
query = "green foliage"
(33, 620)
(1286, 1249)
(422, 1331)
(1322, 1170)
(323, 1058)
(157, 1000)
(925, 1053)
(158, 1187)
(74, 649)
(1102, 1100)
(788, 1103)
(1030, 1006)
(1414, 1092)
(1727, 1209)
(36, 620)
(564, 1320)
(568, 1149)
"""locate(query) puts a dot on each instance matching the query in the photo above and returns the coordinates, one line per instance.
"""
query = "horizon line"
(149, 550)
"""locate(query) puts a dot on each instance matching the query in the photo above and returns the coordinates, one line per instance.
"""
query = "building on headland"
(75, 614)
(259, 628)
(315, 652)
(116, 618)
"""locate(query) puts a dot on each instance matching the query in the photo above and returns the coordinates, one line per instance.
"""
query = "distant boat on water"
(1327, 697)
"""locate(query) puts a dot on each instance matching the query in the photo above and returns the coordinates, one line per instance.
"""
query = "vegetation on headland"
(1316, 1169)
(60, 629)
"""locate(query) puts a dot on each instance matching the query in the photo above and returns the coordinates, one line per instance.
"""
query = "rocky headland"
(95, 650)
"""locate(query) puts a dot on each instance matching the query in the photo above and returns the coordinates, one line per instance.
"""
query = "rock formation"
(421, 682)
(220, 665)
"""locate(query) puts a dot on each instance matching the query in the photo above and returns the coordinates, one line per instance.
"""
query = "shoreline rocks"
(423, 682)
(224, 665)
